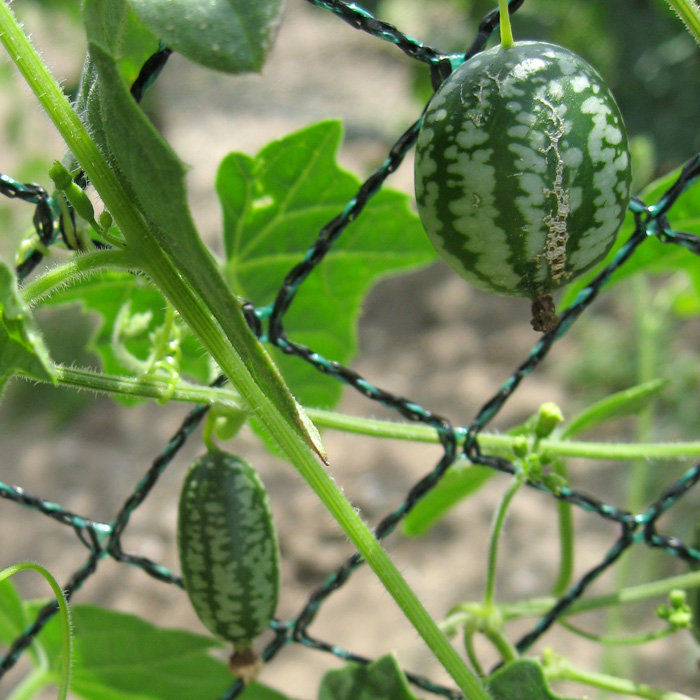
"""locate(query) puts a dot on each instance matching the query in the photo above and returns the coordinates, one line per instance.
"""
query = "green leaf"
(622, 403)
(274, 206)
(380, 680)
(122, 657)
(460, 481)
(154, 175)
(233, 36)
(107, 295)
(653, 256)
(22, 349)
(521, 680)
(13, 620)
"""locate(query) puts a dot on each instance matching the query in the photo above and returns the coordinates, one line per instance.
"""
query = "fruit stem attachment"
(504, 21)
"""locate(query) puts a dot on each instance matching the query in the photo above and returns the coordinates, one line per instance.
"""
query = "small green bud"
(73, 193)
(60, 176)
(677, 598)
(554, 482)
(681, 618)
(548, 417)
(105, 220)
(520, 446)
(533, 467)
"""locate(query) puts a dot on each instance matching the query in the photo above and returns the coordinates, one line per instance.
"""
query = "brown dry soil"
(427, 336)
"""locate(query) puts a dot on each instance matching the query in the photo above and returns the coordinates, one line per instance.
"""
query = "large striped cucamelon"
(522, 169)
(228, 547)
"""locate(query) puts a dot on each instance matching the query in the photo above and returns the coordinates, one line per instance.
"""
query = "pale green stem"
(230, 343)
(154, 387)
(689, 13)
(631, 640)
(611, 683)
(566, 536)
(504, 21)
(536, 607)
(146, 387)
(503, 443)
(496, 529)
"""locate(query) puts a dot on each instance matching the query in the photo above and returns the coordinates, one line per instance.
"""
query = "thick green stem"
(689, 13)
(224, 335)
(566, 536)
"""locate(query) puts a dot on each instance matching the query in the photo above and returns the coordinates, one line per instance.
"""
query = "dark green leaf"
(122, 657)
(233, 36)
(380, 680)
(460, 481)
(22, 349)
(521, 680)
(653, 256)
(622, 403)
(274, 207)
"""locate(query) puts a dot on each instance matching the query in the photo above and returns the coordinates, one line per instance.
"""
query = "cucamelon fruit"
(228, 548)
(522, 170)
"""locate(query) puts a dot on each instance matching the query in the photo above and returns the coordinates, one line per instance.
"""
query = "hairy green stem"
(155, 387)
(218, 322)
(689, 14)
(79, 266)
(503, 443)
(604, 681)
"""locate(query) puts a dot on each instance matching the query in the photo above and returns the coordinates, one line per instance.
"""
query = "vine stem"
(219, 324)
(504, 22)
(156, 387)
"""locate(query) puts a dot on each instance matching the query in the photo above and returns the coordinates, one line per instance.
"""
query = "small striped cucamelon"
(228, 548)
(522, 171)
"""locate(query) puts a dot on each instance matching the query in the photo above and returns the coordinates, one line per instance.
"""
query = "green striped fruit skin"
(522, 169)
(228, 547)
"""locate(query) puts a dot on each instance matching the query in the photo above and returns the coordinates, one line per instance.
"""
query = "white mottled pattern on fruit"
(520, 144)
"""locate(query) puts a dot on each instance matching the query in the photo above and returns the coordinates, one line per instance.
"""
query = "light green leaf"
(460, 481)
(13, 620)
(380, 680)
(106, 295)
(22, 349)
(275, 205)
(621, 403)
(233, 36)
(122, 657)
(521, 680)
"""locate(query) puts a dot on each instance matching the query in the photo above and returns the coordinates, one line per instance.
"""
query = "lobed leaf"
(274, 207)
